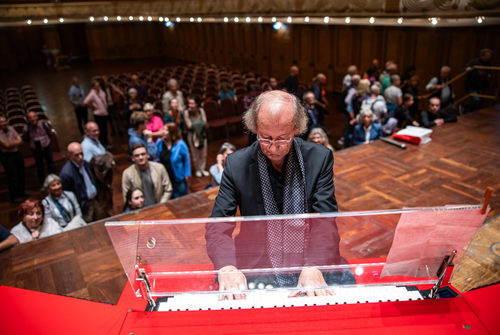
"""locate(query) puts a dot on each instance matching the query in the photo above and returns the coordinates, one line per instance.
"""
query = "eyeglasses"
(278, 143)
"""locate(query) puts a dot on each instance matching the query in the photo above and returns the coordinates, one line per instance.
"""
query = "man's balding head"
(75, 153)
(276, 102)
(92, 130)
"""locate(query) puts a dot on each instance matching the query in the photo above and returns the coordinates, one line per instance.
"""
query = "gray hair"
(299, 112)
(365, 111)
(49, 179)
(225, 147)
(375, 89)
(395, 78)
(172, 81)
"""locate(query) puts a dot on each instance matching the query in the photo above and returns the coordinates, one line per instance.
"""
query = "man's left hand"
(310, 280)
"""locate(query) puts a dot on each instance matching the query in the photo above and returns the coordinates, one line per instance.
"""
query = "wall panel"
(260, 48)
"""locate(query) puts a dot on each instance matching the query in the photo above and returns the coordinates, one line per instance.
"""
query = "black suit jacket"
(72, 180)
(240, 188)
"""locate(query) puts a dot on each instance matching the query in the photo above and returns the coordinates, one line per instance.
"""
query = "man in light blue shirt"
(91, 146)
(76, 96)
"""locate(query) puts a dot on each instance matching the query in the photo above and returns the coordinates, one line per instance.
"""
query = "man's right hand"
(232, 279)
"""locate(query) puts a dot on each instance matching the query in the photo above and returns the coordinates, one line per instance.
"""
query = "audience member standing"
(196, 124)
(173, 153)
(445, 93)
(76, 96)
(113, 94)
(172, 93)
(349, 117)
(313, 112)
(37, 135)
(96, 100)
(391, 69)
(142, 90)
(411, 87)
(217, 169)
(435, 116)
(291, 84)
(150, 177)
(154, 123)
(77, 177)
(393, 94)
(175, 115)
(318, 87)
(12, 160)
(476, 80)
(273, 84)
(132, 104)
(376, 103)
(373, 73)
(347, 80)
(61, 206)
(139, 134)
(91, 146)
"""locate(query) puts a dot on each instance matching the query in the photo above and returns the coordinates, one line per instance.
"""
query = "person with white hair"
(172, 93)
(445, 93)
(61, 206)
(133, 104)
(351, 71)
(376, 103)
(155, 123)
(367, 131)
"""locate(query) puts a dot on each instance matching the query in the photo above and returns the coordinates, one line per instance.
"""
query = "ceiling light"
(348, 20)
(273, 19)
(199, 19)
(61, 19)
(150, 18)
(118, 18)
(45, 21)
(326, 19)
(91, 19)
(289, 19)
(28, 21)
(178, 19)
(480, 19)
(160, 19)
(166, 19)
(131, 18)
(306, 19)
(106, 18)
(226, 19)
(277, 25)
(191, 19)
(141, 18)
(236, 19)
(247, 19)
(400, 20)
(371, 20)
(259, 19)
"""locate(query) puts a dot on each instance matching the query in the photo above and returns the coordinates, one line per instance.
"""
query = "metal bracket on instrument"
(142, 276)
(447, 261)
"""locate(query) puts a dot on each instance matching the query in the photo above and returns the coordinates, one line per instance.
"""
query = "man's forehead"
(139, 151)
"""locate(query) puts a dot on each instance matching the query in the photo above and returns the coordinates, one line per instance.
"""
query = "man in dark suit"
(77, 177)
(277, 174)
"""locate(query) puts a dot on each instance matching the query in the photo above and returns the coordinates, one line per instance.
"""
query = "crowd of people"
(167, 144)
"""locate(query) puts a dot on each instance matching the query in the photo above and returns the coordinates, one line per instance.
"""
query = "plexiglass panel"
(234, 256)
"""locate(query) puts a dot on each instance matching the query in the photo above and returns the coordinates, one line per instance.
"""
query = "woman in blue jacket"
(173, 153)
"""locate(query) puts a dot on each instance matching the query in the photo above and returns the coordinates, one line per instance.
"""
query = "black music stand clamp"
(445, 266)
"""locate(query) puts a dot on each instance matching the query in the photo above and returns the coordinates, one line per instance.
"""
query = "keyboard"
(260, 298)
